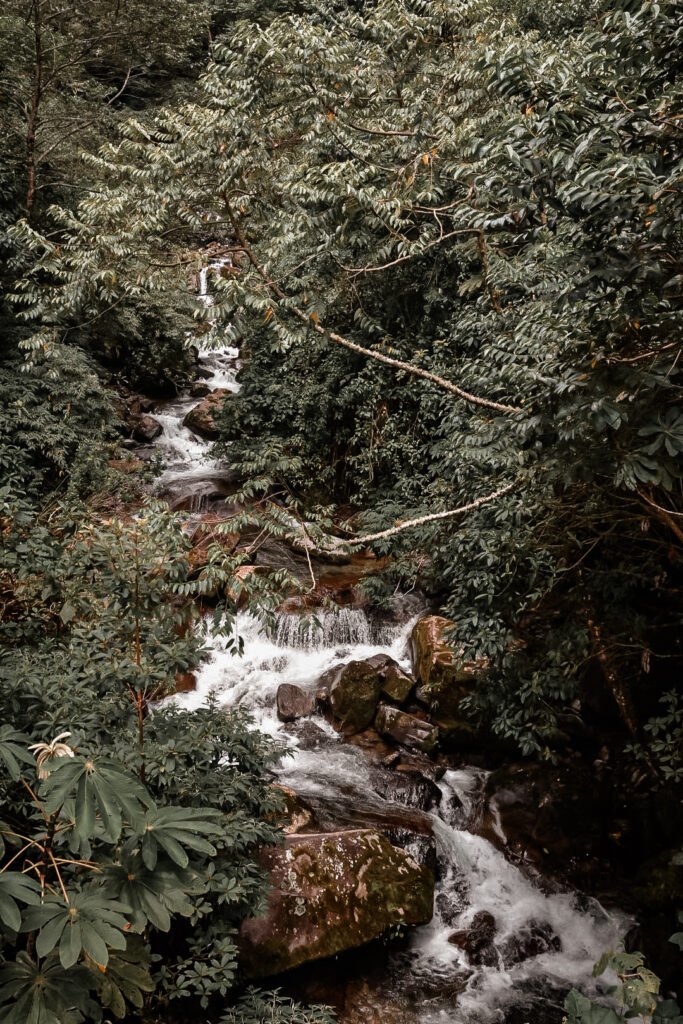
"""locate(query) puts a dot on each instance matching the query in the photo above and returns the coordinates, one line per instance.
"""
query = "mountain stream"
(339, 780)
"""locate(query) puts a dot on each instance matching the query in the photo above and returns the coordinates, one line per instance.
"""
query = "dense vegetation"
(456, 240)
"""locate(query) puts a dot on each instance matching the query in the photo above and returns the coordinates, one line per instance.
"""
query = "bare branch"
(409, 524)
(410, 255)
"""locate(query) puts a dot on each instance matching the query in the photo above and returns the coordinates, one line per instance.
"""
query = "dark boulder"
(476, 941)
(354, 691)
(202, 418)
(145, 428)
(411, 788)
(329, 893)
(532, 940)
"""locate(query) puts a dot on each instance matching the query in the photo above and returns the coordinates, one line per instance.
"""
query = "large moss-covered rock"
(330, 893)
(445, 675)
(201, 418)
(354, 692)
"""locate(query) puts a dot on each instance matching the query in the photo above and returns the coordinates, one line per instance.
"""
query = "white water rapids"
(472, 875)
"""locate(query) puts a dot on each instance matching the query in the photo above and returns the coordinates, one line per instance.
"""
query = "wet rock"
(397, 685)
(199, 389)
(406, 729)
(330, 893)
(141, 404)
(296, 815)
(414, 761)
(145, 428)
(437, 989)
(354, 694)
(445, 676)
(309, 735)
(346, 808)
(407, 787)
(450, 903)
(185, 682)
(374, 747)
(532, 940)
(477, 940)
(201, 418)
(549, 817)
(293, 702)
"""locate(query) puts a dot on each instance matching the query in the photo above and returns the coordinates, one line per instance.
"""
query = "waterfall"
(321, 629)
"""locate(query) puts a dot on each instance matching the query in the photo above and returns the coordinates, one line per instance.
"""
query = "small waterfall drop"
(343, 626)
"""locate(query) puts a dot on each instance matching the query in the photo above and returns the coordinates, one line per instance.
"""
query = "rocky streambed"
(400, 893)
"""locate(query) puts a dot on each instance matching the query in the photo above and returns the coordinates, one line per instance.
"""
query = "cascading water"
(188, 469)
(474, 876)
(344, 787)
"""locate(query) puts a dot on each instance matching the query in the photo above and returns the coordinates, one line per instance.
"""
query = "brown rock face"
(396, 684)
(330, 893)
(293, 703)
(201, 419)
(444, 674)
(408, 730)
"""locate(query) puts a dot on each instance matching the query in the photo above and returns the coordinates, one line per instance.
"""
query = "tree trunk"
(34, 110)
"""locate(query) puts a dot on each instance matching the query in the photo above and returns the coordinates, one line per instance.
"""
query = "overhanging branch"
(352, 346)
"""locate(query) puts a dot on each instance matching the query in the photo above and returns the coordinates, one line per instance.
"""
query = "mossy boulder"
(444, 673)
(354, 692)
(201, 418)
(397, 685)
(329, 893)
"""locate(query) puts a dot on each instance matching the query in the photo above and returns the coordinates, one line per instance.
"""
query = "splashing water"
(473, 875)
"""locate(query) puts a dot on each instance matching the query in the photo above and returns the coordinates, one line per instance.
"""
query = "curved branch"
(433, 517)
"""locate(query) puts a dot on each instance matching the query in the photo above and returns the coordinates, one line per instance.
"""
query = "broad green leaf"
(98, 788)
(41, 994)
(90, 922)
(16, 888)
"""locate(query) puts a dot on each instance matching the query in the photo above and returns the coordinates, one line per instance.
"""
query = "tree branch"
(338, 339)
(433, 517)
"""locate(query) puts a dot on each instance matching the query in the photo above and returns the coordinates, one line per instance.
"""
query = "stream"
(426, 979)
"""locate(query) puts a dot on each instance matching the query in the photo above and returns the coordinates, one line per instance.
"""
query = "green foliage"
(258, 1008)
(636, 995)
(127, 855)
(664, 745)
(46, 993)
